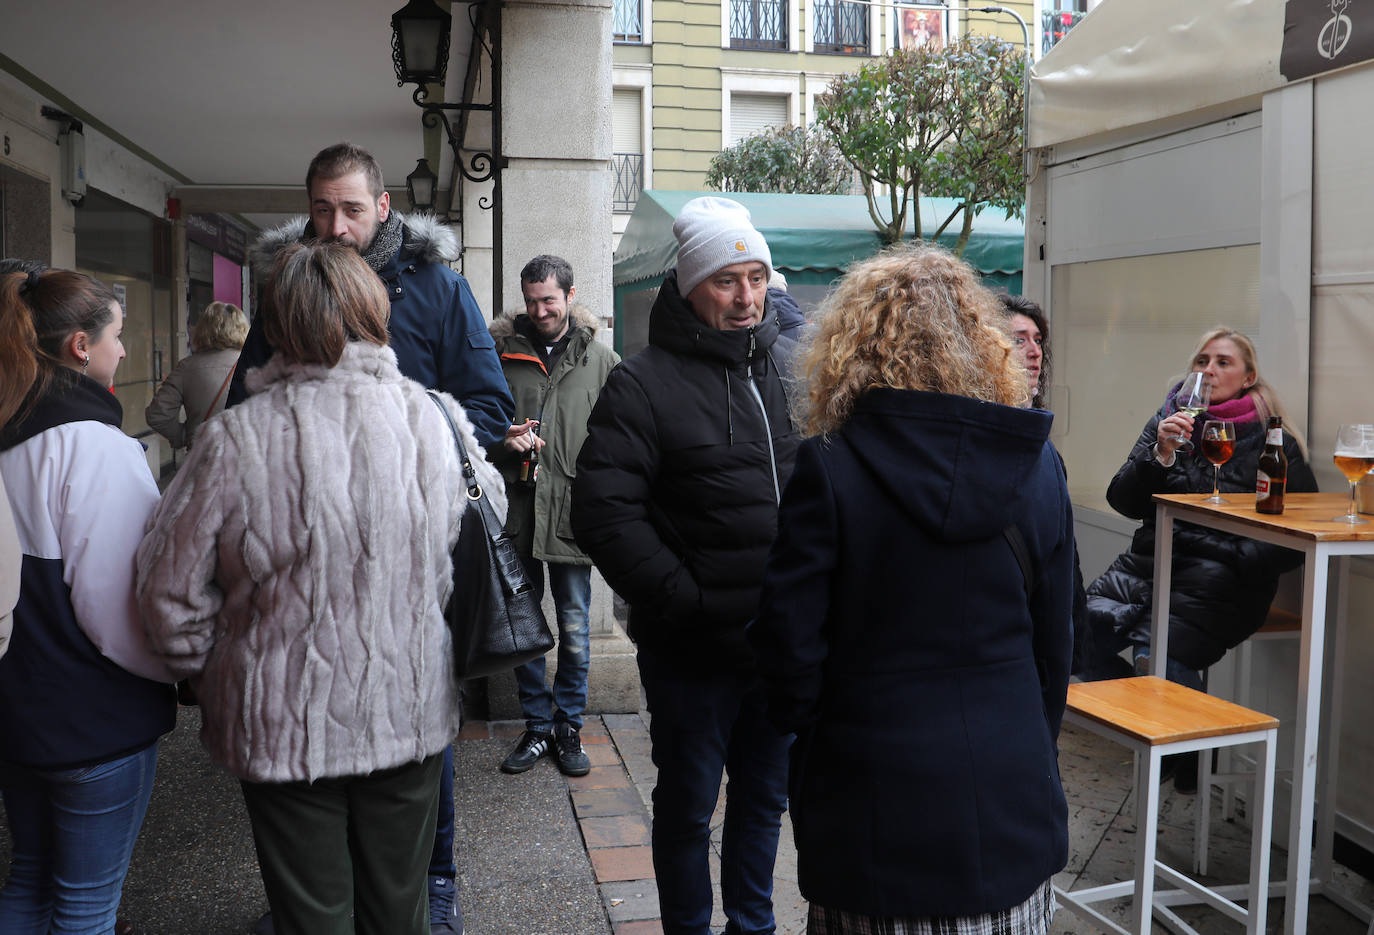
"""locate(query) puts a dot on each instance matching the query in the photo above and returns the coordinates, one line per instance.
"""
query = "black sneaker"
(533, 744)
(444, 915)
(572, 759)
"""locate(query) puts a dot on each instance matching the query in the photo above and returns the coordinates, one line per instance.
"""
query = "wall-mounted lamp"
(420, 186)
(419, 51)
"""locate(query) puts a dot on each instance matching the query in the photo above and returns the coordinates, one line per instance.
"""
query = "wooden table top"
(1305, 515)
(1156, 712)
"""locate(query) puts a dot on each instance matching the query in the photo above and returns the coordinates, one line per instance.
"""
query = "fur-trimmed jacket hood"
(579, 317)
(426, 238)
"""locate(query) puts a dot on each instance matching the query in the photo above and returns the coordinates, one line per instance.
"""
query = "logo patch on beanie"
(739, 246)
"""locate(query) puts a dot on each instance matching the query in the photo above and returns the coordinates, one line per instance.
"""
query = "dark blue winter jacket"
(924, 676)
(437, 331)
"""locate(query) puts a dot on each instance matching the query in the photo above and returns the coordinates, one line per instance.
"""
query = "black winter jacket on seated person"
(676, 497)
(1222, 584)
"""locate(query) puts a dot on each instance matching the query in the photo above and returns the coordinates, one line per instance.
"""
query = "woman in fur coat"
(296, 572)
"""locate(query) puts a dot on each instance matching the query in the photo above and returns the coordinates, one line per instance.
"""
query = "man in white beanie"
(676, 501)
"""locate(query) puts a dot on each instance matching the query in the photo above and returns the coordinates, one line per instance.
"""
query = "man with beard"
(555, 368)
(437, 331)
(441, 341)
(676, 500)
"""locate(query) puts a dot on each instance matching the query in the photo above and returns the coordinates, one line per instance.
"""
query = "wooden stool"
(1155, 718)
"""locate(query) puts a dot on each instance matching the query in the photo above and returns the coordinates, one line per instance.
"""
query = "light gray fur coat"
(298, 566)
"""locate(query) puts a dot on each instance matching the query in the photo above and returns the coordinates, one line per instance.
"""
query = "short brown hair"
(221, 327)
(321, 296)
(342, 159)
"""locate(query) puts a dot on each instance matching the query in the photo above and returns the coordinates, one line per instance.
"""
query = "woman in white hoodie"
(296, 571)
(82, 700)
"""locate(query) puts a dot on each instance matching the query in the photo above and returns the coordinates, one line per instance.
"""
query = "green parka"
(538, 518)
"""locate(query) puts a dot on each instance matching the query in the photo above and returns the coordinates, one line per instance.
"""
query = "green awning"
(809, 232)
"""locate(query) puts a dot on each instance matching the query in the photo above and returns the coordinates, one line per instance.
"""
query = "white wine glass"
(1218, 444)
(1354, 456)
(1193, 396)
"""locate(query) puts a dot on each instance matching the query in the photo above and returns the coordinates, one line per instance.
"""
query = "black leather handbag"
(493, 614)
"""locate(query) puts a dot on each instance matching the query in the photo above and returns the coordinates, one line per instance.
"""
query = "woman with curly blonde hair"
(915, 628)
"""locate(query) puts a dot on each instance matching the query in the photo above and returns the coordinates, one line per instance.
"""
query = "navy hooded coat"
(925, 679)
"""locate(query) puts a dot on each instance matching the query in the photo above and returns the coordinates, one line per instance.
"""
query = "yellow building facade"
(692, 77)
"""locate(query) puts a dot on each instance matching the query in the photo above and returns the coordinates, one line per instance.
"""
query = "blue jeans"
(572, 597)
(1174, 670)
(74, 832)
(701, 724)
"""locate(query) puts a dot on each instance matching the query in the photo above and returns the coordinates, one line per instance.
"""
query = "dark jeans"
(347, 854)
(700, 725)
(572, 593)
(441, 860)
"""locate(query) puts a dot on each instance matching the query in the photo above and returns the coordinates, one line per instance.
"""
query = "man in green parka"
(555, 368)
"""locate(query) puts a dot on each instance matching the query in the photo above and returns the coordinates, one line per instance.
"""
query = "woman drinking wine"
(1222, 584)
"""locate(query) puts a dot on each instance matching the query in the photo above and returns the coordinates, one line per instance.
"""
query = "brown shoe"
(124, 927)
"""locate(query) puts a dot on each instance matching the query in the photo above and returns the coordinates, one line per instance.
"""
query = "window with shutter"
(750, 113)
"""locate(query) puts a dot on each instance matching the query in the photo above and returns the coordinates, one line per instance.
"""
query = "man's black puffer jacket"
(676, 496)
(1222, 584)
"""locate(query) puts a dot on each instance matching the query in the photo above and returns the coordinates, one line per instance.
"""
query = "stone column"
(555, 122)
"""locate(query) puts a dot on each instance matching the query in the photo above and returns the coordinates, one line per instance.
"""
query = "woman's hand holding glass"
(1193, 396)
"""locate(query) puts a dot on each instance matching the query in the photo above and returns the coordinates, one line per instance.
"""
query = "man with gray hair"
(676, 501)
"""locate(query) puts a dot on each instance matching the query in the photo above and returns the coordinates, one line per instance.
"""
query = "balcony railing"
(758, 24)
(1055, 25)
(627, 18)
(841, 26)
(627, 172)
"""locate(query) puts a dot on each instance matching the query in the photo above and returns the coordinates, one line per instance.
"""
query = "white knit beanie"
(713, 233)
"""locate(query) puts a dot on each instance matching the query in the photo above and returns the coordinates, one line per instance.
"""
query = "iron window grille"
(627, 172)
(841, 26)
(627, 18)
(758, 24)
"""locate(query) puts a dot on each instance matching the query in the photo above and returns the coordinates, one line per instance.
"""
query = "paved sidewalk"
(541, 854)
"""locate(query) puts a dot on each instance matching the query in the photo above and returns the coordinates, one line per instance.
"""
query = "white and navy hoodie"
(78, 684)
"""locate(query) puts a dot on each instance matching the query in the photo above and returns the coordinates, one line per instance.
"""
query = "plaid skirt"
(1032, 917)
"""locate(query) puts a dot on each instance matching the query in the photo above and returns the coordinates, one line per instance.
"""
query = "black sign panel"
(213, 231)
(1323, 35)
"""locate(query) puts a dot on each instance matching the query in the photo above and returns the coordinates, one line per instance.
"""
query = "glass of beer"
(1193, 396)
(1218, 444)
(1354, 457)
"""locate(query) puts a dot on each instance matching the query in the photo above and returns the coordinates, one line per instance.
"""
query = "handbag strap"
(214, 402)
(482, 504)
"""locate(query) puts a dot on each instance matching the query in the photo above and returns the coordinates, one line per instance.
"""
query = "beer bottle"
(1272, 476)
(529, 468)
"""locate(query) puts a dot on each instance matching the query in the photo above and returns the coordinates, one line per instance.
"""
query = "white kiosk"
(1203, 162)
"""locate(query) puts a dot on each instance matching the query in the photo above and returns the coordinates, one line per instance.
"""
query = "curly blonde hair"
(221, 327)
(914, 317)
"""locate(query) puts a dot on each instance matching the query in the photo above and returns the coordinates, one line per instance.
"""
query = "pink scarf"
(1241, 409)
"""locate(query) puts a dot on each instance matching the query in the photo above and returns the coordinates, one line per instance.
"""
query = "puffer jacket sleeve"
(1137, 481)
(789, 637)
(612, 503)
(177, 593)
(99, 518)
(470, 371)
(164, 412)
